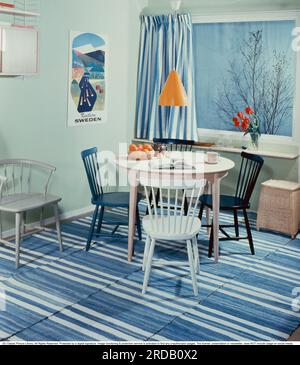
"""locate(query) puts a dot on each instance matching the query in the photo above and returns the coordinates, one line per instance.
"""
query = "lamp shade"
(173, 93)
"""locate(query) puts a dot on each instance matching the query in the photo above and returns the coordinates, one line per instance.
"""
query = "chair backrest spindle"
(179, 145)
(92, 169)
(166, 219)
(2, 183)
(147, 194)
(248, 175)
(21, 178)
(13, 172)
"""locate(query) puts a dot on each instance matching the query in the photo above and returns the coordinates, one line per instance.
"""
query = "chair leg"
(22, 232)
(249, 234)
(196, 255)
(150, 199)
(209, 192)
(115, 230)
(236, 223)
(100, 220)
(201, 211)
(58, 230)
(207, 217)
(208, 221)
(42, 217)
(148, 267)
(92, 229)
(192, 267)
(146, 252)
(211, 242)
(18, 234)
(138, 223)
(137, 219)
(24, 223)
(1, 229)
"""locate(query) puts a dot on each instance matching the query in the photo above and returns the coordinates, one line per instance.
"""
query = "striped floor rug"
(96, 296)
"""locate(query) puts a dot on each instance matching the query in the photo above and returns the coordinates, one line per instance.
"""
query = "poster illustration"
(87, 79)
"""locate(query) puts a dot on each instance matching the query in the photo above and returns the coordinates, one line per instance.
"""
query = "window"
(245, 63)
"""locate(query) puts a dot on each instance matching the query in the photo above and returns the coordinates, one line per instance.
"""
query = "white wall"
(33, 121)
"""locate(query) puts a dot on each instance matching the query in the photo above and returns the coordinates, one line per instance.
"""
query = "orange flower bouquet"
(248, 123)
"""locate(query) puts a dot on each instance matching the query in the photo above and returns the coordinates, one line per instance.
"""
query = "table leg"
(208, 221)
(216, 210)
(132, 219)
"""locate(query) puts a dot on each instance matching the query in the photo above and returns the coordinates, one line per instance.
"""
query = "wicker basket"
(279, 207)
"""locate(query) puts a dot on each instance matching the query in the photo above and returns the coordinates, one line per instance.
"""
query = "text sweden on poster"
(87, 79)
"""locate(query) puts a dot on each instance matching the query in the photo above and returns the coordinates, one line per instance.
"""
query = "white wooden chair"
(166, 223)
(20, 192)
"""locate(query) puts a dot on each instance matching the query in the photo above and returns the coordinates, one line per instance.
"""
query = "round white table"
(213, 173)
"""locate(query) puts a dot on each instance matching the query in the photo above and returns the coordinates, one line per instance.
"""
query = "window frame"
(248, 17)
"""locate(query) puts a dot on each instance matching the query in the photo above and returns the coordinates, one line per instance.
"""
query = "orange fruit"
(133, 148)
(147, 147)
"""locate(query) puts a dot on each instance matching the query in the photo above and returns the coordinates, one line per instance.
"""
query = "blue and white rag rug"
(96, 295)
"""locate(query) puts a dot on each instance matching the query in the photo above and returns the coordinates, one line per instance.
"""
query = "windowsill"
(261, 152)
(265, 151)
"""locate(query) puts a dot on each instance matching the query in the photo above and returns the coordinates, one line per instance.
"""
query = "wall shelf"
(16, 12)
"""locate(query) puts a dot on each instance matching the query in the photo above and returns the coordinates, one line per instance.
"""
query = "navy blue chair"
(175, 144)
(103, 200)
(169, 144)
(251, 166)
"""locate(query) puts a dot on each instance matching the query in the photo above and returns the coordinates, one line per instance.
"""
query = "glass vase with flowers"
(248, 122)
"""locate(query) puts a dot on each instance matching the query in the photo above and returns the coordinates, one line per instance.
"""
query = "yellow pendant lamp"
(173, 93)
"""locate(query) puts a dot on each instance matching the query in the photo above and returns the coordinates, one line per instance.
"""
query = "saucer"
(210, 162)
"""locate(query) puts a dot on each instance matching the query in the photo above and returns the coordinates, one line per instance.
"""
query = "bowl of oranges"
(140, 152)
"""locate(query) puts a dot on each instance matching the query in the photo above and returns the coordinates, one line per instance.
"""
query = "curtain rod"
(176, 9)
(163, 12)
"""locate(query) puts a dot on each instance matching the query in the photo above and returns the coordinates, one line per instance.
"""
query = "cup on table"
(212, 157)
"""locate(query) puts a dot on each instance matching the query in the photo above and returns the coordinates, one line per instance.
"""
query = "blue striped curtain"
(166, 44)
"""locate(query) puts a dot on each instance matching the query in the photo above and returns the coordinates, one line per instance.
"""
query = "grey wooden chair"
(21, 192)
